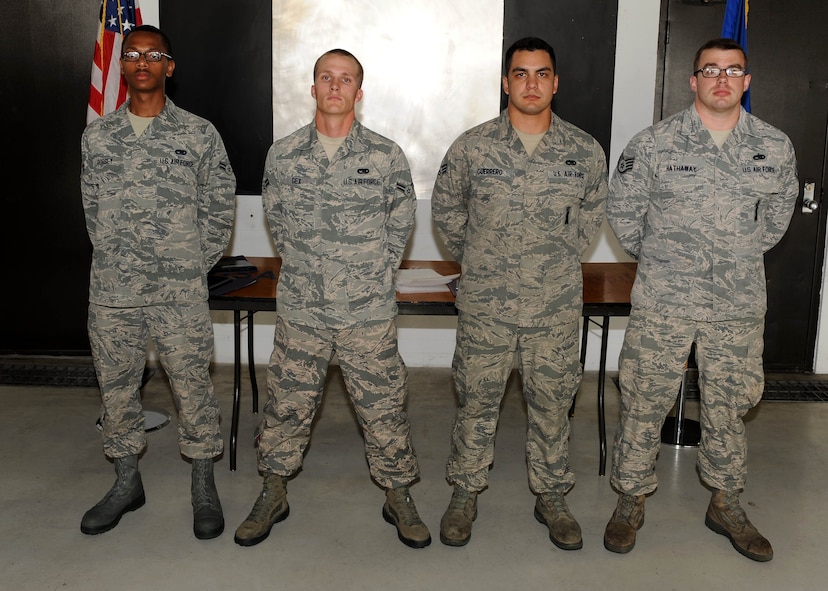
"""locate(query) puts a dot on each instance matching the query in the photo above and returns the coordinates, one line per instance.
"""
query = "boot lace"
(123, 487)
(734, 512)
(460, 499)
(627, 506)
(405, 508)
(271, 492)
(556, 502)
(261, 509)
(202, 489)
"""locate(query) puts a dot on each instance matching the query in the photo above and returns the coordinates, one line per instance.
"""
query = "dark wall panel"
(46, 58)
(223, 73)
(583, 36)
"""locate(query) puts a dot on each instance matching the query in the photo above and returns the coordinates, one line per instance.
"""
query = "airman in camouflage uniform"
(159, 195)
(517, 200)
(340, 204)
(698, 199)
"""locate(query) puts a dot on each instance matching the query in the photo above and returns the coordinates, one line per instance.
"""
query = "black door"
(788, 59)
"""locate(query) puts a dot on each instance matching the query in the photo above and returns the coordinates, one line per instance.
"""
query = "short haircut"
(343, 53)
(528, 44)
(165, 41)
(720, 43)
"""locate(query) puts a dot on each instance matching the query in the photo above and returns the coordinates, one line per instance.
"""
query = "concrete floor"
(335, 538)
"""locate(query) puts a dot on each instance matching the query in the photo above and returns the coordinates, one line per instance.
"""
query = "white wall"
(149, 12)
(429, 341)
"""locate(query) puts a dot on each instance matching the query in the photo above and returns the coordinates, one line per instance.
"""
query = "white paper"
(422, 281)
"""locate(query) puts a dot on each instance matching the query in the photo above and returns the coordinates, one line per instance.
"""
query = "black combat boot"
(208, 518)
(127, 494)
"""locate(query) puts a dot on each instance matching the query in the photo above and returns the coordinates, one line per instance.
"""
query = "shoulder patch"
(405, 188)
(625, 163)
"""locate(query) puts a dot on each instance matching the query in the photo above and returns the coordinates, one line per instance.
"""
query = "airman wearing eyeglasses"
(697, 200)
(159, 195)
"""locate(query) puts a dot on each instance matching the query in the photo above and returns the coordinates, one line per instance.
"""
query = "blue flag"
(735, 27)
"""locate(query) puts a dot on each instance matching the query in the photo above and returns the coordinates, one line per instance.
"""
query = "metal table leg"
(602, 372)
(251, 362)
(234, 424)
(679, 430)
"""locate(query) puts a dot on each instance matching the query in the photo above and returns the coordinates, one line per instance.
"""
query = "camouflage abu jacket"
(699, 218)
(159, 208)
(518, 225)
(340, 226)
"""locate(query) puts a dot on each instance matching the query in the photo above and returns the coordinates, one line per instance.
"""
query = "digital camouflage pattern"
(699, 219)
(159, 207)
(518, 224)
(183, 337)
(729, 357)
(340, 226)
(551, 374)
(159, 211)
(376, 381)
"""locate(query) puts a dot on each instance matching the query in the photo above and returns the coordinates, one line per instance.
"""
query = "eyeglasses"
(713, 72)
(150, 56)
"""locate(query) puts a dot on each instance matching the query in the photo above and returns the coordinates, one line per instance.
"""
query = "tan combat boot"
(270, 508)
(564, 531)
(456, 524)
(627, 518)
(399, 511)
(725, 516)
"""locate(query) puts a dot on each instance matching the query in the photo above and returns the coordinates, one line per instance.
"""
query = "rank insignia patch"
(625, 163)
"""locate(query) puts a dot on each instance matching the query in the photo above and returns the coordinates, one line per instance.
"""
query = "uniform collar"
(692, 123)
(353, 142)
(507, 132)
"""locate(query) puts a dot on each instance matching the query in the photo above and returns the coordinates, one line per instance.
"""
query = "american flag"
(108, 90)
(735, 27)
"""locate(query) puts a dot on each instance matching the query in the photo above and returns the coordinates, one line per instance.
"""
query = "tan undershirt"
(139, 124)
(331, 144)
(719, 136)
(530, 141)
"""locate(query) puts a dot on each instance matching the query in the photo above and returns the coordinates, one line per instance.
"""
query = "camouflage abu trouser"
(376, 381)
(731, 382)
(183, 337)
(551, 371)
